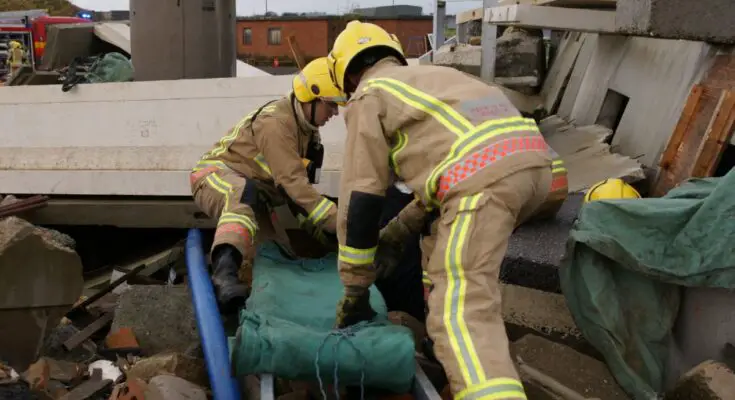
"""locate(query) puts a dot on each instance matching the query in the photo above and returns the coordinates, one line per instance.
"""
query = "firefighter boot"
(231, 293)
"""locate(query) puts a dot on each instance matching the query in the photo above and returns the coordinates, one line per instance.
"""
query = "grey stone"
(709, 380)
(41, 279)
(521, 58)
(705, 20)
(167, 387)
(162, 317)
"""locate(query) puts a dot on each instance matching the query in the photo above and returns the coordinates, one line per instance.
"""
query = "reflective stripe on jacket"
(271, 149)
(434, 128)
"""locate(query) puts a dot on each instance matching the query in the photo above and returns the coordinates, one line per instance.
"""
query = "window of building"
(247, 36)
(274, 36)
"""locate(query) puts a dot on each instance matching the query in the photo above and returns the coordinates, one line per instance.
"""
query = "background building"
(261, 39)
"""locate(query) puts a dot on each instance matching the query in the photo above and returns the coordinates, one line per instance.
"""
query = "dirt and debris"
(583, 374)
(54, 7)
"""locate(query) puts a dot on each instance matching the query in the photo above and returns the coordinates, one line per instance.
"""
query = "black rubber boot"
(230, 292)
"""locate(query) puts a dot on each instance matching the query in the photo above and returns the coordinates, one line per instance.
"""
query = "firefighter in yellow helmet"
(261, 155)
(610, 189)
(16, 56)
(475, 165)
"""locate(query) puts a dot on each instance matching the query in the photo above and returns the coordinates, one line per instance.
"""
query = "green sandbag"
(287, 327)
(626, 263)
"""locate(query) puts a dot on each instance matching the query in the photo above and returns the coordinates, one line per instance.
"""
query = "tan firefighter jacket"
(270, 148)
(432, 128)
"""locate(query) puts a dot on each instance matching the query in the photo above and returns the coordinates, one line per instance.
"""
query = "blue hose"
(211, 331)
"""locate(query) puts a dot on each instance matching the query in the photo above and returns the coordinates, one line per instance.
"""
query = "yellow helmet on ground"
(313, 82)
(353, 40)
(611, 189)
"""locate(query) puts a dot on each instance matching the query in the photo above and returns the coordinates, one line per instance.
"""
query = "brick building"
(260, 39)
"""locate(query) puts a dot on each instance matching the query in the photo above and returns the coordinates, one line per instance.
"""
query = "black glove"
(353, 309)
(387, 257)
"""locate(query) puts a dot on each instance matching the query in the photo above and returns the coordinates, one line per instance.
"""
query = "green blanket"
(626, 261)
(287, 329)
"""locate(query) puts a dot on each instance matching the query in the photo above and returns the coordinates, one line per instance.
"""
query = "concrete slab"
(132, 138)
(705, 20)
(536, 248)
(115, 33)
(710, 380)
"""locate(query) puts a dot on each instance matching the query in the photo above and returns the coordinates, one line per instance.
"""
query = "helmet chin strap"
(312, 117)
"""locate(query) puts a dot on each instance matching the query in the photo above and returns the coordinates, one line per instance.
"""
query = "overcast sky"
(249, 7)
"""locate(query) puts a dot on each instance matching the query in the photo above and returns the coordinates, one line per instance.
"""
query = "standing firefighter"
(472, 160)
(265, 151)
(16, 57)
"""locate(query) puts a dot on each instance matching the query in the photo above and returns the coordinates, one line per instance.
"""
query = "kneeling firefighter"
(473, 163)
(275, 150)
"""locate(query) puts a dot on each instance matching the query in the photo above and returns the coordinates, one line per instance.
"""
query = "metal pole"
(440, 9)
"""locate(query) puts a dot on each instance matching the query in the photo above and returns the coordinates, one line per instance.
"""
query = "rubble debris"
(122, 342)
(189, 368)
(81, 308)
(36, 296)
(7, 375)
(108, 370)
(133, 389)
(53, 346)
(45, 369)
(580, 373)
(12, 206)
(709, 380)
(162, 317)
(167, 387)
(88, 331)
(88, 390)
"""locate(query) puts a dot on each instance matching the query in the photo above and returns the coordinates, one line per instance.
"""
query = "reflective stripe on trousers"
(478, 386)
(208, 172)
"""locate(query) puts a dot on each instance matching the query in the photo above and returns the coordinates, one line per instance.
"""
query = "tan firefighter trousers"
(220, 194)
(465, 250)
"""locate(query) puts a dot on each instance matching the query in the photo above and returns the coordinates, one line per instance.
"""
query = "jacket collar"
(379, 66)
(301, 119)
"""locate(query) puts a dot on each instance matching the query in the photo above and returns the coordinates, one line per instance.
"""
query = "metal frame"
(423, 389)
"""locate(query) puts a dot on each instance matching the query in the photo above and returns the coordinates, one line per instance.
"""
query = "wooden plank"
(561, 68)
(552, 18)
(685, 120)
(89, 330)
(716, 137)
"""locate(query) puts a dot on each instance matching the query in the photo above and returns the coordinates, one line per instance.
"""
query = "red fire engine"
(28, 27)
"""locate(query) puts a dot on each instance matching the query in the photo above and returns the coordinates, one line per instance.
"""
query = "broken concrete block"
(709, 380)
(167, 387)
(579, 372)
(161, 317)
(521, 58)
(703, 20)
(41, 280)
(185, 367)
(463, 57)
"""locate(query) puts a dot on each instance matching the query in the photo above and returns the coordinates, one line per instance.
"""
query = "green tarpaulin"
(627, 261)
(287, 329)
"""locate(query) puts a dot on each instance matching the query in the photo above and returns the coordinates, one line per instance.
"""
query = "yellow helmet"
(14, 44)
(611, 189)
(313, 82)
(353, 40)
